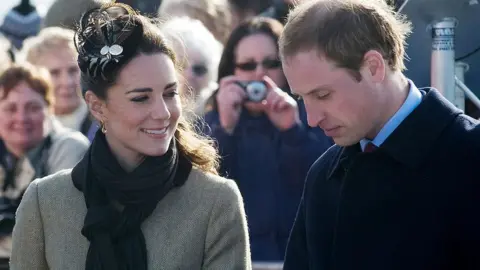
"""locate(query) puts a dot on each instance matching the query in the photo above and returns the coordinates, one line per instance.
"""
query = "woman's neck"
(127, 158)
(17, 150)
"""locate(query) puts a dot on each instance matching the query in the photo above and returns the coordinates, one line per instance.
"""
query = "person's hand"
(230, 99)
(281, 109)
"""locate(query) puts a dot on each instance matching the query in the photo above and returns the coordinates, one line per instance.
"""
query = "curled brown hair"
(343, 31)
(37, 78)
(119, 24)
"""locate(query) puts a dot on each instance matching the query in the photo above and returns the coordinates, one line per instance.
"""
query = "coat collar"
(411, 142)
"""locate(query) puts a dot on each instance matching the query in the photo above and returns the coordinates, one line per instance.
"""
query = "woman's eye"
(139, 99)
(323, 96)
(35, 108)
(9, 109)
(72, 71)
(171, 94)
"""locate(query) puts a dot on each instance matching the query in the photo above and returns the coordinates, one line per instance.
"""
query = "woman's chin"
(26, 141)
(155, 150)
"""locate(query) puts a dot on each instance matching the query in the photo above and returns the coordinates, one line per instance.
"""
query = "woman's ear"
(95, 105)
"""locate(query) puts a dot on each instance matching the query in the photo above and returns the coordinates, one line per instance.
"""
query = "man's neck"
(396, 92)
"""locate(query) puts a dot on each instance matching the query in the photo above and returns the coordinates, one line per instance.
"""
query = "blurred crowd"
(232, 86)
(229, 57)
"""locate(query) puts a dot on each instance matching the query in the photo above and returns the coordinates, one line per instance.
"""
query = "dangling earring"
(102, 126)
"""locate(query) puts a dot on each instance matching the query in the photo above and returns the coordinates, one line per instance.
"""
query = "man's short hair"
(343, 31)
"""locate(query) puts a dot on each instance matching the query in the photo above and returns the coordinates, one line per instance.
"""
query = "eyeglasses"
(267, 63)
(199, 70)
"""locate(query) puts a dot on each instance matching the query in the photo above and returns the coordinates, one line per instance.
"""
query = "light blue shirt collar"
(414, 99)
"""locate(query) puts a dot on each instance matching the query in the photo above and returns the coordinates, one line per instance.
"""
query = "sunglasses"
(199, 70)
(267, 64)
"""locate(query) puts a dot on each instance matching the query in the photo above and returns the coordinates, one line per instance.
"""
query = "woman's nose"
(260, 72)
(161, 111)
(20, 115)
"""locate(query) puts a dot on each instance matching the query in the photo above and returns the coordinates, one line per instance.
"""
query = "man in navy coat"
(400, 189)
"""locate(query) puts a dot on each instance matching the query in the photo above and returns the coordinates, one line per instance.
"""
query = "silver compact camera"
(256, 90)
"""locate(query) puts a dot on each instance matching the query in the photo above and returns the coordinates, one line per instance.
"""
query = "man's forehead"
(306, 72)
(308, 60)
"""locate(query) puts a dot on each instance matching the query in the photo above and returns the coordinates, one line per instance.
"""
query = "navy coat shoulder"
(412, 204)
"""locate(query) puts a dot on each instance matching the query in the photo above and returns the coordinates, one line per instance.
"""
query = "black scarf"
(116, 238)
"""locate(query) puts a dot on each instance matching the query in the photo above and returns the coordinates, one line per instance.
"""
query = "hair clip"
(112, 51)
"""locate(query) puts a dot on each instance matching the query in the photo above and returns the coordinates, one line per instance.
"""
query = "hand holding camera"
(281, 109)
(279, 106)
(230, 99)
(256, 90)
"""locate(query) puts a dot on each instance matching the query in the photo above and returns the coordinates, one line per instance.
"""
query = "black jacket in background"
(412, 204)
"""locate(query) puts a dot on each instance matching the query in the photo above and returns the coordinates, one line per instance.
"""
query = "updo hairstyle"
(107, 39)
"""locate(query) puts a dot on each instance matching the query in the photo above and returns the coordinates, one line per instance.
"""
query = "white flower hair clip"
(112, 52)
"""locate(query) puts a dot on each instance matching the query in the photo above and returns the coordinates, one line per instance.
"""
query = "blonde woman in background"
(199, 53)
(53, 48)
(216, 15)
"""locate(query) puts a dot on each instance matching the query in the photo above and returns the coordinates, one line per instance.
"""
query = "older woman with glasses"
(53, 48)
(260, 131)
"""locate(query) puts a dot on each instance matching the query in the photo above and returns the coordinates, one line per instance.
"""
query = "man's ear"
(374, 66)
(96, 106)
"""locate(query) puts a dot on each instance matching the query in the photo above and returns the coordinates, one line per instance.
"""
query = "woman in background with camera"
(259, 130)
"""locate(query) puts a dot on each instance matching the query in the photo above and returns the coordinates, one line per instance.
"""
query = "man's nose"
(314, 115)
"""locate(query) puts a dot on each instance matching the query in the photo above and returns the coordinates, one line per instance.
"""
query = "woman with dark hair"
(146, 195)
(265, 146)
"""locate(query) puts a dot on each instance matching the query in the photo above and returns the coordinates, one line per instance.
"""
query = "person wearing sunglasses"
(199, 53)
(264, 145)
